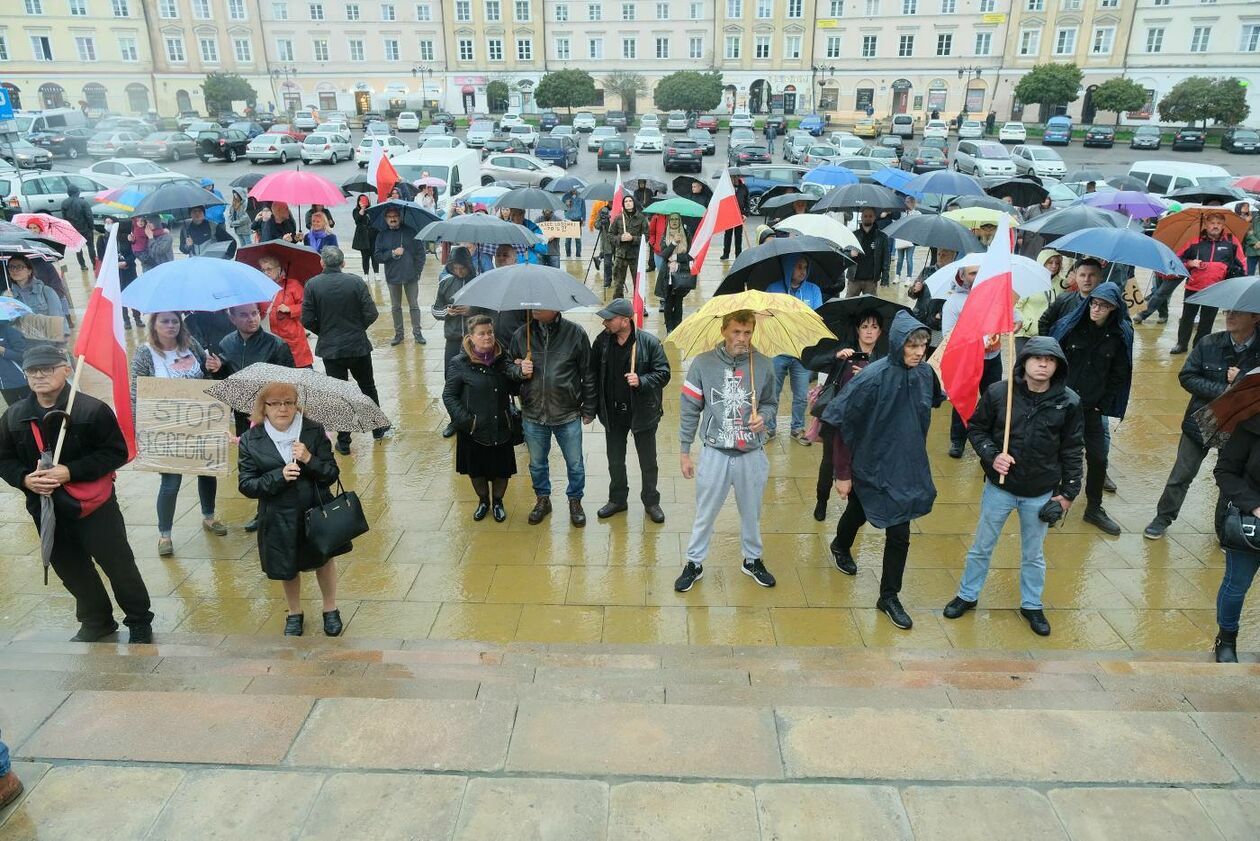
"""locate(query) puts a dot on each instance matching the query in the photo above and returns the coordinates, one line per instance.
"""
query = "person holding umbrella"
(238, 218)
(277, 223)
(992, 372)
(796, 284)
(320, 233)
(1214, 256)
(1237, 476)
(365, 237)
(13, 344)
(89, 530)
(126, 262)
(927, 308)
(284, 316)
(1251, 239)
(734, 237)
(30, 290)
(402, 255)
(246, 344)
(673, 278)
(159, 243)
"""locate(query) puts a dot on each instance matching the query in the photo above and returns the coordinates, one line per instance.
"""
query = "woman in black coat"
(364, 236)
(1237, 475)
(478, 397)
(285, 461)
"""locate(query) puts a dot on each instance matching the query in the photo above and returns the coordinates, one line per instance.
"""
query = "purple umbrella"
(1131, 203)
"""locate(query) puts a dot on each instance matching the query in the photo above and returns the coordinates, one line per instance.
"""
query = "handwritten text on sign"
(180, 428)
(555, 230)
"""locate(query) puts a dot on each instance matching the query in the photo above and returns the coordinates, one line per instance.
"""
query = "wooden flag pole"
(634, 353)
(529, 316)
(1010, 395)
(65, 424)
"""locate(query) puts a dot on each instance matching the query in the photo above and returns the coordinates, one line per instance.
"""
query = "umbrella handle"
(752, 377)
(529, 316)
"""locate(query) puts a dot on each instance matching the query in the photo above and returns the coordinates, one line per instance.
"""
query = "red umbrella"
(298, 261)
(1250, 183)
(298, 187)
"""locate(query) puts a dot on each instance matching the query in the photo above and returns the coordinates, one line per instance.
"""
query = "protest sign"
(180, 428)
(560, 229)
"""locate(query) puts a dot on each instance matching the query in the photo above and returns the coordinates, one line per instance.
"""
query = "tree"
(689, 90)
(222, 89)
(1229, 102)
(497, 96)
(1050, 84)
(565, 89)
(1200, 98)
(628, 86)
(1119, 95)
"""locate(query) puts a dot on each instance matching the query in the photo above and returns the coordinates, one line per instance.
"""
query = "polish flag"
(641, 283)
(381, 172)
(619, 192)
(988, 311)
(100, 343)
(721, 215)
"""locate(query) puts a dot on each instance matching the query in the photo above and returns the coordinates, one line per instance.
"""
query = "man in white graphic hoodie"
(717, 398)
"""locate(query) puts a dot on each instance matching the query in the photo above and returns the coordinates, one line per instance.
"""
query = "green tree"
(689, 90)
(628, 86)
(1201, 98)
(497, 96)
(222, 89)
(565, 89)
(1118, 95)
(1229, 102)
(1050, 84)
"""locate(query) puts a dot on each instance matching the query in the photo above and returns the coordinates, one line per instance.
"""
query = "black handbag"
(516, 424)
(1239, 531)
(331, 525)
(825, 395)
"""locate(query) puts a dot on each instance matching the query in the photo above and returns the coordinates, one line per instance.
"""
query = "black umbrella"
(654, 184)
(982, 201)
(1127, 182)
(853, 197)
(526, 286)
(223, 250)
(603, 191)
(248, 180)
(843, 316)
(358, 183)
(413, 215)
(1240, 294)
(50, 431)
(782, 205)
(565, 184)
(34, 239)
(1021, 191)
(682, 186)
(176, 197)
(481, 228)
(529, 198)
(935, 232)
(1076, 217)
(762, 265)
(1083, 175)
(1205, 194)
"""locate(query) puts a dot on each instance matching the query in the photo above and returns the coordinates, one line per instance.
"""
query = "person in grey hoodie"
(238, 218)
(718, 401)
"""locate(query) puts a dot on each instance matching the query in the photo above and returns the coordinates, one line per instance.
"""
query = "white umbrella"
(823, 227)
(1028, 277)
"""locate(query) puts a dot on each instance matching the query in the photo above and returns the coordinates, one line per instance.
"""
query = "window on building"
(424, 12)
(209, 48)
(279, 10)
(85, 45)
(41, 47)
(695, 47)
(1155, 39)
(201, 9)
(629, 48)
(765, 9)
(734, 44)
(316, 10)
(243, 50)
(319, 49)
(236, 9)
(944, 43)
(761, 46)
(1199, 39)
(872, 8)
(1065, 41)
(465, 49)
(795, 8)
(393, 50)
(34, 7)
(1161, 2)
(1036, 5)
(832, 48)
(905, 48)
(494, 49)
(78, 8)
(121, 8)
(563, 51)
(426, 50)
(562, 11)
(463, 10)
(128, 49)
(909, 7)
(4, 48)
(984, 43)
(837, 8)
(1108, 4)
(494, 10)
(595, 48)
(870, 45)
(524, 49)
(522, 10)
(284, 49)
(388, 12)
(987, 5)
(695, 11)
(1029, 41)
(352, 11)
(1071, 5)
(948, 7)
(662, 11)
(792, 47)
(169, 9)
(662, 47)
(357, 52)
(627, 11)
(594, 11)
(734, 8)
(1104, 38)
(175, 49)
(1250, 41)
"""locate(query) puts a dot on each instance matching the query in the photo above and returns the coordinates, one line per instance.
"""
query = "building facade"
(191, 38)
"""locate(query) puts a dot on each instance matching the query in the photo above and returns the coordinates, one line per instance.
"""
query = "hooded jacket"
(562, 387)
(1100, 359)
(808, 292)
(717, 400)
(882, 417)
(1206, 373)
(1221, 258)
(653, 369)
(1047, 429)
(454, 327)
(1029, 309)
(634, 223)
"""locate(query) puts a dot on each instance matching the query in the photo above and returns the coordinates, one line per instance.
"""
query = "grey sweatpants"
(717, 472)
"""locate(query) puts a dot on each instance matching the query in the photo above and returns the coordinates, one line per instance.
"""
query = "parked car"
(167, 146)
(1146, 137)
(547, 121)
(305, 120)
(683, 154)
(708, 122)
(885, 155)
(118, 172)
(676, 121)
(107, 144)
(866, 127)
(511, 119)
(70, 142)
(446, 119)
(523, 133)
(980, 158)
(41, 192)
(923, 159)
(1163, 177)
(794, 146)
(892, 141)
(935, 128)
(749, 153)
(820, 153)
(1058, 131)
(496, 144)
(327, 147)
(616, 119)
(649, 120)
(281, 148)
(741, 137)
(226, 144)
(1241, 141)
(1101, 136)
(564, 131)
(186, 117)
(777, 121)
(523, 170)
(863, 167)
(25, 155)
(584, 121)
(704, 139)
(264, 119)
(597, 136)
(135, 125)
(759, 179)
(1012, 132)
(441, 143)
(1040, 161)
(289, 129)
(479, 131)
(648, 139)
(377, 130)
(333, 127)
(371, 117)
(251, 128)
(1189, 138)
(936, 142)
(407, 121)
(612, 152)
(812, 123)
(560, 150)
(740, 119)
(970, 129)
(226, 118)
(902, 125)
(848, 144)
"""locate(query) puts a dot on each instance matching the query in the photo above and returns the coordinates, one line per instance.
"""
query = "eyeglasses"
(1098, 304)
(281, 404)
(41, 372)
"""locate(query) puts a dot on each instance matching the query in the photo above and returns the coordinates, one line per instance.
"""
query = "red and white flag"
(100, 342)
(619, 192)
(988, 311)
(641, 283)
(721, 215)
(381, 172)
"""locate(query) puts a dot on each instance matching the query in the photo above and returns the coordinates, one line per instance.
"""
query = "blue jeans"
(1240, 569)
(783, 367)
(995, 506)
(4, 759)
(1253, 264)
(569, 437)
(168, 493)
(905, 256)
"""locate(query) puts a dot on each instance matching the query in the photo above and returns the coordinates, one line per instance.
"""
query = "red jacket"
(656, 230)
(288, 325)
(1221, 258)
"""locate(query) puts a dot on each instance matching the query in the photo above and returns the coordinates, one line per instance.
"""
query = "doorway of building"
(758, 96)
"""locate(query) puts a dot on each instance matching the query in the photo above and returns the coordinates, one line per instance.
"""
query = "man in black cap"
(89, 524)
(631, 371)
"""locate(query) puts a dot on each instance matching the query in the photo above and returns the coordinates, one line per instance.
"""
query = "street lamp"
(420, 71)
(814, 70)
(284, 71)
(969, 73)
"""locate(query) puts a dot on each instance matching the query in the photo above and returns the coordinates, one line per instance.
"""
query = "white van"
(52, 119)
(459, 168)
(1162, 177)
(902, 126)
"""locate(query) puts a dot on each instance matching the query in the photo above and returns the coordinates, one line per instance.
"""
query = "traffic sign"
(6, 105)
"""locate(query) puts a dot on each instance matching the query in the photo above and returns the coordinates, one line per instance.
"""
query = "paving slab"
(155, 727)
(1005, 745)
(385, 807)
(1236, 813)
(972, 813)
(405, 734)
(30, 773)
(695, 812)
(792, 812)
(1105, 814)
(22, 712)
(77, 802)
(534, 810)
(1238, 737)
(645, 739)
(233, 804)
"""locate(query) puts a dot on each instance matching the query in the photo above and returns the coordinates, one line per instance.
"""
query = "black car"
(1189, 138)
(1146, 137)
(446, 120)
(616, 119)
(892, 141)
(923, 159)
(265, 120)
(497, 144)
(371, 117)
(683, 154)
(613, 152)
(750, 154)
(251, 129)
(1102, 136)
(1241, 141)
(704, 139)
(71, 142)
(226, 144)
(547, 121)
(226, 118)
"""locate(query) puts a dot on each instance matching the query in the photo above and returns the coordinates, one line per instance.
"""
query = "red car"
(707, 122)
(286, 128)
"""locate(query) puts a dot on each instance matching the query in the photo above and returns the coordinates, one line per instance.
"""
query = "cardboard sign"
(1134, 297)
(180, 428)
(560, 230)
(938, 353)
(42, 328)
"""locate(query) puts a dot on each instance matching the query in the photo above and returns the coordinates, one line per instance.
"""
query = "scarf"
(284, 440)
(676, 233)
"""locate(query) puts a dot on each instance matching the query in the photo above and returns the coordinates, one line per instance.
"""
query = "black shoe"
(1097, 516)
(891, 607)
(611, 508)
(725, 257)
(1177, 349)
(1226, 646)
(293, 625)
(820, 510)
(397, 340)
(757, 571)
(576, 515)
(1155, 530)
(421, 340)
(958, 606)
(332, 623)
(1037, 621)
(252, 525)
(498, 511)
(92, 633)
(1108, 485)
(342, 447)
(140, 635)
(655, 513)
(541, 509)
(690, 575)
(1140, 317)
(483, 508)
(955, 450)
(844, 560)
(381, 433)
(449, 431)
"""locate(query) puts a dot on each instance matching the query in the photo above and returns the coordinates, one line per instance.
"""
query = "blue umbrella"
(565, 184)
(204, 284)
(894, 179)
(413, 215)
(830, 175)
(11, 309)
(1121, 245)
(945, 183)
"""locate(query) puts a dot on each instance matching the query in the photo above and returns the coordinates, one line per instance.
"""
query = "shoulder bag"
(332, 525)
(1239, 531)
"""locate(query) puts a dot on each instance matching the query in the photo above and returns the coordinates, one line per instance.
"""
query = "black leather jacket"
(563, 385)
(238, 353)
(653, 369)
(1205, 374)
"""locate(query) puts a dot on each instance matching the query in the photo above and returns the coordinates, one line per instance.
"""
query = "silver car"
(26, 155)
(281, 148)
(1039, 161)
(980, 158)
(114, 144)
(167, 146)
(525, 170)
(329, 148)
(42, 192)
(597, 137)
(742, 137)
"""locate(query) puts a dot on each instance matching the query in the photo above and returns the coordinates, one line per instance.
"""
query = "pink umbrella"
(298, 187)
(429, 181)
(58, 230)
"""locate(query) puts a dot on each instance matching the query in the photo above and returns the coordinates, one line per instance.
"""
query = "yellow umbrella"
(975, 217)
